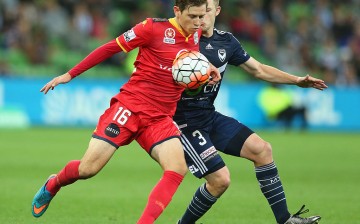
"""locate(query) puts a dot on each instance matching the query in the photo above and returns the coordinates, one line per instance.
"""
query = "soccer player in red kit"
(143, 108)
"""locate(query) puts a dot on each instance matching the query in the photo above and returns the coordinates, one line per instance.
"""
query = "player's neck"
(208, 33)
(182, 30)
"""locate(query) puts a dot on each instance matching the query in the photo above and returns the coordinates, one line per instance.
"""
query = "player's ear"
(218, 9)
(177, 11)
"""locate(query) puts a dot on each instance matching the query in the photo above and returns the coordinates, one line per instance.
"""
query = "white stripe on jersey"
(189, 149)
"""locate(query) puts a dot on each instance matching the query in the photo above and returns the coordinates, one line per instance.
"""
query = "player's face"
(209, 20)
(191, 18)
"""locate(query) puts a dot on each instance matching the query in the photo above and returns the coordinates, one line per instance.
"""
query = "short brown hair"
(185, 4)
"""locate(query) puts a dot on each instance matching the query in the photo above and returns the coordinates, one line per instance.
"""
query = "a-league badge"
(129, 35)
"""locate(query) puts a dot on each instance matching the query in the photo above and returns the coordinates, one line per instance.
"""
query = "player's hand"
(215, 75)
(309, 81)
(65, 78)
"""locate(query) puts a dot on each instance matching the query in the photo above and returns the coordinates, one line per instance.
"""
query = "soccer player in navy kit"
(205, 131)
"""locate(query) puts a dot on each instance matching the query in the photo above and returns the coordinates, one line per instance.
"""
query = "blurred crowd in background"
(47, 37)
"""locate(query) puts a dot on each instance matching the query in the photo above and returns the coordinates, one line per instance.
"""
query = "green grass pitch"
(320, 170)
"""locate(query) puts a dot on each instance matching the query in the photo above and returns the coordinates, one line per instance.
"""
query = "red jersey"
(159, 41)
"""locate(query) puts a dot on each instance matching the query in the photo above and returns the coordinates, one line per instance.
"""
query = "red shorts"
(120, 125)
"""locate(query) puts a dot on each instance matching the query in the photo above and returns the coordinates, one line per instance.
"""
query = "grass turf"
(320, 170)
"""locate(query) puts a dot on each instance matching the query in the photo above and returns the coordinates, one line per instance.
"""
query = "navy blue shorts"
(201, 146)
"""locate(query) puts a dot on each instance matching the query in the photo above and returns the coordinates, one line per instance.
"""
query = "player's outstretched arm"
(309, 81)
(62, 79)
(274, 75)
(215, 75)
(95, 57)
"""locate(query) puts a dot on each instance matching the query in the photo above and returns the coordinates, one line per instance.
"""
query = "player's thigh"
(170, 155)
(116, 127)
(96, 157)
(154, 131)
(229, 135)
(201, 156)
(160, 138)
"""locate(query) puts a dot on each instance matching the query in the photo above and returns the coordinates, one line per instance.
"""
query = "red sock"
(160, 196)
(68, 175)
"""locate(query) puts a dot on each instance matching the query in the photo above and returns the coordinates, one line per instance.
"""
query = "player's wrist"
(69, 73)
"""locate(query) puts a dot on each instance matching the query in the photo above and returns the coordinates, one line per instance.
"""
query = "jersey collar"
(178, 27)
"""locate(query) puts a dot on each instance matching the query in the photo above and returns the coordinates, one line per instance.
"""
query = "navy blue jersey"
(196, 106)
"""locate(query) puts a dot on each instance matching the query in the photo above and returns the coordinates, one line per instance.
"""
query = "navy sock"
(200, 204)
(272, 189)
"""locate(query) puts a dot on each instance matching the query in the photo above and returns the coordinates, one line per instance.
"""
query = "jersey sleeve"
(137, 36)
(95, 57)
(239, 56)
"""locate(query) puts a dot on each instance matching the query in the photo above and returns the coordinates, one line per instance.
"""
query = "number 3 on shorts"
(122, 115)
(199, 136)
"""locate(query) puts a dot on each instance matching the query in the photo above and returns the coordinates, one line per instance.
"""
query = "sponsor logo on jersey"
(193, 169)
(165, 67)
(169, 36)
(192, 92)
(222, 54)
(209, 47)
(112, 130)
(129, 35)
(209, 153)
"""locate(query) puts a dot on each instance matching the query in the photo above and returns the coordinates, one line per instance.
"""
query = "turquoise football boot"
(41, 200)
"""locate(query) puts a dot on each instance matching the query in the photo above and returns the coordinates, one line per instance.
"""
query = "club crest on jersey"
(196, 38)
(129, 35)
(222, 54)
(169, 36)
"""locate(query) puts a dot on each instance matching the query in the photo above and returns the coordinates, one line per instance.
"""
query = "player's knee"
(219, 182)
(224, 183)
(178, 166)
(267, 149)
(181, 169)
(219, 186)
(264, 155)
